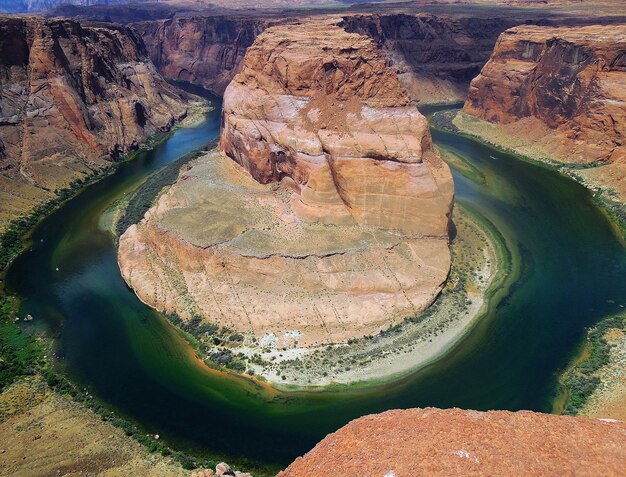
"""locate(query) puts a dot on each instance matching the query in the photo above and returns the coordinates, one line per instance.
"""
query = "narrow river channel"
(573, 269)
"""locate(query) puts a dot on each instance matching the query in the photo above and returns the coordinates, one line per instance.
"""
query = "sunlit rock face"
(444, 442)
(566, 89)
(318, 107)
(331, 221)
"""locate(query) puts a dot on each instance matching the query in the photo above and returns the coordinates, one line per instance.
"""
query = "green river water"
(131, 358)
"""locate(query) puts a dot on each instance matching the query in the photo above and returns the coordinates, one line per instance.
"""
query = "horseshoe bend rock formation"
(340, 228)
(566, 88)
(438, 442)
(72, 98)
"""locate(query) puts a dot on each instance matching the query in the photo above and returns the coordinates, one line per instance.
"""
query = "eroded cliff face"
(203, 50)
(435, 56)
(319, 108)
(566, 89)
(72, 99)
(332, 223)
(439, 442)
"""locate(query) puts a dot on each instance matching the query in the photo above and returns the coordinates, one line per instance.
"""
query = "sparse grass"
(143, 198)
(580, 381)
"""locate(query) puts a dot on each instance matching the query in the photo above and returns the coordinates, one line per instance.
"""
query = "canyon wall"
(332, 221)
(435, 56)
(438, 442)
(72, 99)
(566, 89)
(203, 50)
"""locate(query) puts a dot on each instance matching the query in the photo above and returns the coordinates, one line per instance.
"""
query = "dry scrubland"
(45, 433)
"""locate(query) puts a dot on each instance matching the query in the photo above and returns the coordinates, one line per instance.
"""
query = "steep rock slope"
(566, 89)
(72, 98)
(437, 442)
(435, 56)
(350, 234)
(319, 107)
(204, 50)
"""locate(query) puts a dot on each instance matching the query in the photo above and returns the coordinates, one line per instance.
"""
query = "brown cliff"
(435, 56)
(72, 99)
(203, 50)
(566, 89)
(350, 234)
(319, 106)
(435, 442)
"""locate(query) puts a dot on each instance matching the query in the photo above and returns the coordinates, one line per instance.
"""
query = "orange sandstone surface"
(435, 442)
(332, 221)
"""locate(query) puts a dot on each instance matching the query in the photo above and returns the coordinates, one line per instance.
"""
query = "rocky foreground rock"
(72, 98)
(566, 89)
(435, 442)
(333, 221)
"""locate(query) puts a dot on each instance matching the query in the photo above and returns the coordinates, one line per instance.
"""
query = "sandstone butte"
(72, 99)
(566, 89)
(434, 442)
(332, 223)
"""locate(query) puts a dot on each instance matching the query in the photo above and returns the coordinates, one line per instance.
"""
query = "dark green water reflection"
(129, 356)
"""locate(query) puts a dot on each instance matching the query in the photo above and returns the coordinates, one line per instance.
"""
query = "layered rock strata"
(566, 89)
(72, 99)
(435, 56)
(438, 442)
(319, 108)
(203, 50)
(350, 233)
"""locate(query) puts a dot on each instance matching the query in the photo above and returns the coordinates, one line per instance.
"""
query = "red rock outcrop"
(318, 106)
(434, 442)
(72, 99)
(566, 88)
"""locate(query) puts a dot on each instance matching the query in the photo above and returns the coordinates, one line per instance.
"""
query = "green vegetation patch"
(20, 353)
(581, 380)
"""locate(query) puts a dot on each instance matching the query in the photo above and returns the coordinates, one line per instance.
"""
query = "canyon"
(73, 100)
(204, 50)
(566, 89)
(434, 56)
(325, 216)
(349, 236)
